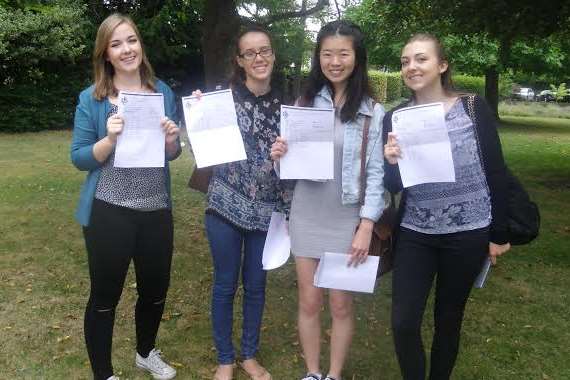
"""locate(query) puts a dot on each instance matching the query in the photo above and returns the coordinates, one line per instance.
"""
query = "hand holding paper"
(141, 141)
(212, 127)
(309, 133)
(334, 273)
(424, 143)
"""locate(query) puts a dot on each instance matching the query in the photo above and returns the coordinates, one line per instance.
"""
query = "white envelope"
(277, 244)
(334, 273)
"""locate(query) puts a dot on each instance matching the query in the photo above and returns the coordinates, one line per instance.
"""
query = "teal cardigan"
(89, 127)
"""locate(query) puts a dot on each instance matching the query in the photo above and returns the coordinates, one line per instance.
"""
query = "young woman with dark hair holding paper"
(241, 197)
(125, 212)
(328, 216)
(446, 230)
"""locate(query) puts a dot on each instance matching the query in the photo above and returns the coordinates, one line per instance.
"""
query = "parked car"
(546, 96)
(524, 93)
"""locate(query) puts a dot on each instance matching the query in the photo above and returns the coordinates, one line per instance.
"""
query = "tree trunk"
(299, 58)
(492, 89)
(221, 26)
(492, 74)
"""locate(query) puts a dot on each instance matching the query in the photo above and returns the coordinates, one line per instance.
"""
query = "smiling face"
(260, 67)
(124, 50)
(337, 59)
(421, 66)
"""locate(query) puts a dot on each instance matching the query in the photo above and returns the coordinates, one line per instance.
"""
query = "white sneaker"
(113, 378)
(155, 365)
(312, 376)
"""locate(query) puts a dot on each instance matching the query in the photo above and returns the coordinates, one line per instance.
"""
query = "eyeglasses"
(250, 55)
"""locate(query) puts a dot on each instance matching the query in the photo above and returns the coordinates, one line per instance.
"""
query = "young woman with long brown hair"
(125, 212)
(446, 230)
(241, 197)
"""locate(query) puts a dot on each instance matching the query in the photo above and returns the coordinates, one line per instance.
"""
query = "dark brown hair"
(238, 73)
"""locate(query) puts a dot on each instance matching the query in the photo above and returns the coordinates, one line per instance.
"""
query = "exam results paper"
(141, 143)
(424, 142)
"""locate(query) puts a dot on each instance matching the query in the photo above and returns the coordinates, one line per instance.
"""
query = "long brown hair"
(103, 70)
(238, 73)
(445, 78)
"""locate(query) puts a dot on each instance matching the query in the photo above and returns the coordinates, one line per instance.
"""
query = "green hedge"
(50, 104)
(44, 105)
(379, 85)
(394, 86)
(470, 84)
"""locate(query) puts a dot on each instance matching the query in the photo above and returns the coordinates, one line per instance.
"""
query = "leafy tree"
(498, 25)
(221, 22)
(560, 92)
(39, 39)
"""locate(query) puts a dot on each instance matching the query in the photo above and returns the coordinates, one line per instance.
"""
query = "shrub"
(47, 104)
(378, 84)
(394, 86)
(468, 83)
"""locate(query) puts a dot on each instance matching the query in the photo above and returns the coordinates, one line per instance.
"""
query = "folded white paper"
(277, 244)
(334, 273)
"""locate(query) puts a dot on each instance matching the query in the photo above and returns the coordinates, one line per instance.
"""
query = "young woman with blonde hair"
(125, 212)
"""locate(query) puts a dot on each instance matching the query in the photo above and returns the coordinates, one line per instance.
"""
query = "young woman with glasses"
(241, 197)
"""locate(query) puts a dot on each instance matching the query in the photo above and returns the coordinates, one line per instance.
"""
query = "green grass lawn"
(517, 327)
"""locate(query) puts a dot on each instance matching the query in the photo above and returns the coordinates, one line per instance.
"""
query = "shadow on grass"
(535, 125)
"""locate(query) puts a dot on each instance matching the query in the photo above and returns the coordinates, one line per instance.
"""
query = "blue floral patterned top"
(463, 205)
(246, 192)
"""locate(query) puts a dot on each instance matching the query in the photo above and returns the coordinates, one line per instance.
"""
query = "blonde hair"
(103, 70)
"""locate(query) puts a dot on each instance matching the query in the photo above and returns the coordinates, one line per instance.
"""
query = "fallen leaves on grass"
(63, 338)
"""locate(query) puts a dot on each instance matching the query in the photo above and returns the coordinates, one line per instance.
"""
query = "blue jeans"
(226, 241)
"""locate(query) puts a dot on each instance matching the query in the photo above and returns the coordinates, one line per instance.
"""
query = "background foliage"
(45, 47)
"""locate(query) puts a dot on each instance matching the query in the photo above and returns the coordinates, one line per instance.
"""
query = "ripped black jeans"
(114, 236)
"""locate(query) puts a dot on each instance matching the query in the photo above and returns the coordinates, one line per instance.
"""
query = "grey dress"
(318, 221)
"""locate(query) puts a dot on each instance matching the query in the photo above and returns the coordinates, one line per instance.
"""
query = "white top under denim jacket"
(374, 200)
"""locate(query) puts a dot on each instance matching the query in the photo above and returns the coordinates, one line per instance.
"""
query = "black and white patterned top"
(463, 205)
(142, 189)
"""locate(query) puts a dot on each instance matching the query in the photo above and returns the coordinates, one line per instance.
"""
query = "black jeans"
(114, 236)
(456, 259)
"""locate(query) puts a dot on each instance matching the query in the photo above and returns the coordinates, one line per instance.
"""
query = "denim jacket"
(374, 200)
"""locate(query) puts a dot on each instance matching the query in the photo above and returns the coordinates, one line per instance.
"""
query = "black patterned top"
(141, 189)
(246, 192)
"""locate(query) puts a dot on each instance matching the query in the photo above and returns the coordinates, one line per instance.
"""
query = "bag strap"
(473, 117)
(363, 148)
